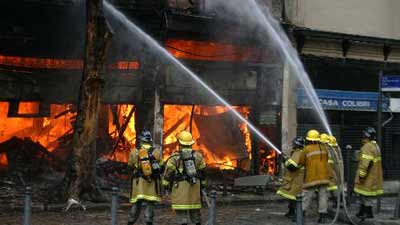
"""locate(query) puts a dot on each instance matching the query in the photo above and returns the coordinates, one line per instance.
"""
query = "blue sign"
(343, 100)
(391, 83)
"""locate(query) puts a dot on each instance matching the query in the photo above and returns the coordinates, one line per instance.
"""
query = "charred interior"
(41, 62)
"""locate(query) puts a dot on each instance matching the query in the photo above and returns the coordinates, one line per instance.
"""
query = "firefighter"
(293, 176)
(185, 173)
(331, 162)
(147, 167)
(316, 178)
(369, 177)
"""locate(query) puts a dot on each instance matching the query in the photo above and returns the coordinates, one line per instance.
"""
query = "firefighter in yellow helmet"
(316, 178)
(146, 179)
(293, 176)
(369, 176)
(185, 172)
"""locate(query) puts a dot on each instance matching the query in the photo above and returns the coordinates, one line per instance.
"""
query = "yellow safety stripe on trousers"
(145, 197)
(286, 195)
(196, 206)
(291, 162)
(368, 193)
(330, 161)
(332, 188)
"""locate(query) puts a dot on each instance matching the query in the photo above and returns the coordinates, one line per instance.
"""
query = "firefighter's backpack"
(189, 166)
(147, 163)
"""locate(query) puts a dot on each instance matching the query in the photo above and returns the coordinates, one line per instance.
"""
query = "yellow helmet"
(185, 138)
(312, 135)
(324, 138)
(333, 141)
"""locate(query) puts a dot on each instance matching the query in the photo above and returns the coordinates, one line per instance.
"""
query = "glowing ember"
(178, 118)
(66, 64)
(214, 51)
(28, 108)
(3, 160)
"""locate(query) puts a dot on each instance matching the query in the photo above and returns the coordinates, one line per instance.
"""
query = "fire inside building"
(41, 70)
(87, 96)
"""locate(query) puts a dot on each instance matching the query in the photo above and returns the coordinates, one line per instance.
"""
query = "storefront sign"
(391, 83)
(342, 100)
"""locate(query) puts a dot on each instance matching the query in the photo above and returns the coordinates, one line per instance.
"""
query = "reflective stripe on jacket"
(316, 164)
(369, 177)
(293, 179)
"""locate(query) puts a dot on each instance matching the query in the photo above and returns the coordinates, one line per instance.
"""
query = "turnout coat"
(144, 189)
(369, 177)
(293, 175)
(184, 195)
(316, 164)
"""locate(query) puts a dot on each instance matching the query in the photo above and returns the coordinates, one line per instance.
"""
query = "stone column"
(289, 109)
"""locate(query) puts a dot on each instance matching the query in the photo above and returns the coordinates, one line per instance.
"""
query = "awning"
(343, 100)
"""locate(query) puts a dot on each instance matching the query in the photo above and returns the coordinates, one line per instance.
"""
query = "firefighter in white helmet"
(185, 173)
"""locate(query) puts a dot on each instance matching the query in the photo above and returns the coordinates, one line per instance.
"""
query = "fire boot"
(130, 223)
(291, 214)
(323, 218)
(149, 223)
(368, 212)
(361, 212)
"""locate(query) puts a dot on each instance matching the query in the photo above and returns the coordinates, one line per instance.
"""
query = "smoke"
(258, 17)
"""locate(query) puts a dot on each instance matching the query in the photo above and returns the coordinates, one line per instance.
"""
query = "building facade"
(344, 46)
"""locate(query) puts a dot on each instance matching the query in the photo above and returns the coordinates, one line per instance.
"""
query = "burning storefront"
(39, 88)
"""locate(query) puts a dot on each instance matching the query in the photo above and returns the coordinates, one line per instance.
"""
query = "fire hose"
(341, 196)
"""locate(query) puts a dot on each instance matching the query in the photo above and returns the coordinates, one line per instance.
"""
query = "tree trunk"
(81, 176)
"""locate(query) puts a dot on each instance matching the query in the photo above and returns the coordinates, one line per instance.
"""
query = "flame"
(67, 64)
(269, 162)
(48, 130)
(122, 154)
(177, 118)
(214, 51)
(44, 130)
(28, 108)
(3, 160)
(126, 65)
(226, 164)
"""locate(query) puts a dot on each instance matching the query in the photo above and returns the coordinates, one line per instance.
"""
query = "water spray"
(294, 61)
(149, 40)
(249, 11)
